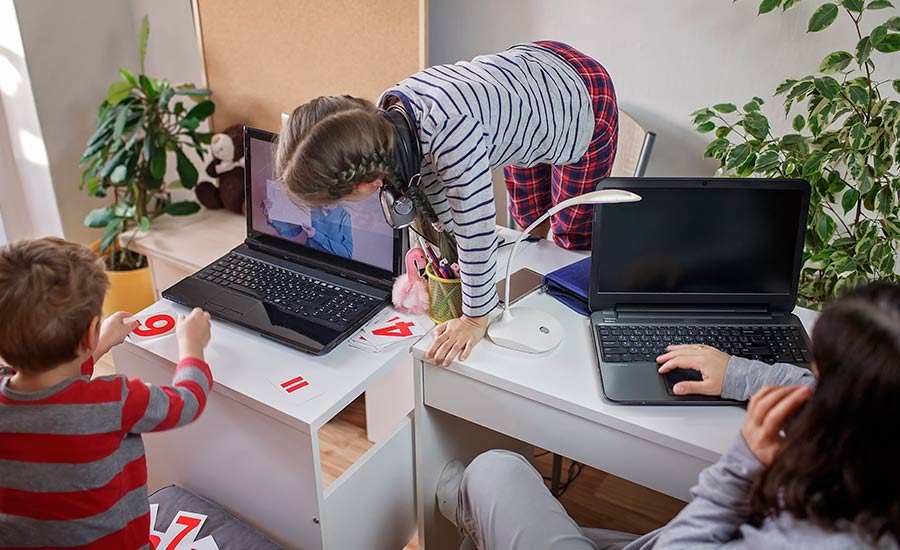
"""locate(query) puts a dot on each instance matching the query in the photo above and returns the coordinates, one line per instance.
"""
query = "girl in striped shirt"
(544, 111)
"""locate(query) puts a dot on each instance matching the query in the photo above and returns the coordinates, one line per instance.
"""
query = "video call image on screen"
(699, 241)
(354, 230)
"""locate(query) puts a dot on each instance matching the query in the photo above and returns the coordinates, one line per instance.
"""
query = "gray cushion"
(229, 532)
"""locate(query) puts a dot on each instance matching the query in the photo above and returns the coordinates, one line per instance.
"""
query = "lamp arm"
(561, 206)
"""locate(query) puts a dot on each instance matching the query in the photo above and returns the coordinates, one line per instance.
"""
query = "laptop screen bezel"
(295, 251)
(775, 302)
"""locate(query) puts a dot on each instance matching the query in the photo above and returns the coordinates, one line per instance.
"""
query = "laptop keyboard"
(289, 290)
(642, 343)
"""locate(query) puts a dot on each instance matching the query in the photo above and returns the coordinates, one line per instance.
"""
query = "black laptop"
(696, 261)
(306, 277)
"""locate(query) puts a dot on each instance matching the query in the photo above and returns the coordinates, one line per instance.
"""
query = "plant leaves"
(863, 50)
(893, 23)
(119, 174)
(788, 4)
(879, 5)
(751, 106)
(756, 124)
(828, 87)
(737, 155)
(201, 110)
(785, 86)
(823, 17)
(187, 172)
(702, 115)
(767, 5)
(193, 91)
(853, 5)
(716, 149)
(119, 126)
(767, 161)
(117, 92)
(128, 76)
(849, 200)
(858, 94)
(145, 223)
(142, 40)
(182, 208)
(723, 131)
(835, 61)
(725, 108)
(113, 229)
(890, 43)
(98, 217)
(884, 200)
(706, 127)
(825, 227)
(158, 163)
(896, 85)
(189, 124)
(798, 123)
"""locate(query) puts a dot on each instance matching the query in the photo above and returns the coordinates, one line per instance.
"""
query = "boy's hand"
(456, 336)
(710, 362)
(767, 413)
(113, 331)
(192, 333)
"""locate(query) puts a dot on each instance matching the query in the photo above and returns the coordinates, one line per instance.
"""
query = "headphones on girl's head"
(399, 209)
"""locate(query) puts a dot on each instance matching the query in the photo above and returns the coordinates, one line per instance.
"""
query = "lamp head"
(602, 196)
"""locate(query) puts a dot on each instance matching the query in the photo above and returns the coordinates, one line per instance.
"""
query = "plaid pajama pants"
(533, 191)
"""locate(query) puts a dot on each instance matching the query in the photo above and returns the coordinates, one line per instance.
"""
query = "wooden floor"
(594, 499)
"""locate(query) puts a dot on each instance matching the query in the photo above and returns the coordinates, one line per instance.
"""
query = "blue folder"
(570, 285)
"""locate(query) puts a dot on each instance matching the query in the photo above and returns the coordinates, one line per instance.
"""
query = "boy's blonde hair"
(331, 144)
(50, 291)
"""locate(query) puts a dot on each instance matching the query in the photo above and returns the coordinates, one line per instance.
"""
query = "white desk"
(257, 454)
(501, 398)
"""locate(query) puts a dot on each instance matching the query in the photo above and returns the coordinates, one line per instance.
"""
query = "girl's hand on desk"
(710, 362)
(456, 336)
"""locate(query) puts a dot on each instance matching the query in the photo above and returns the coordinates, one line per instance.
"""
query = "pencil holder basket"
(445, 296)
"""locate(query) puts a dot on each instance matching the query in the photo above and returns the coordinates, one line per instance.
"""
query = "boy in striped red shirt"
(72, 465)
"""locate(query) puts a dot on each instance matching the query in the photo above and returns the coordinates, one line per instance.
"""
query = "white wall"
(73, 52)
(666, 58)
(28, 204)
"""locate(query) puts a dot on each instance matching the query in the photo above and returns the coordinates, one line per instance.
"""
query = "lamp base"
(526, 329)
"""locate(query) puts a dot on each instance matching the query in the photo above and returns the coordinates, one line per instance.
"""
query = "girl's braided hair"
(330, 145)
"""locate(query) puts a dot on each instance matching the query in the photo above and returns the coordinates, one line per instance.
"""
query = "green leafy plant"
(844, 142)
(138, 125)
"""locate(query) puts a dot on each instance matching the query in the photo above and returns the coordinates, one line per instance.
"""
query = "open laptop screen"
(729, 240)
(350, 230)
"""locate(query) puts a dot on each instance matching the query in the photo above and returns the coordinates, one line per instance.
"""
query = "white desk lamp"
(533, 330)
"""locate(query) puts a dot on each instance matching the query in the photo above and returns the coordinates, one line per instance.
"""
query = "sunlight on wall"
(32, 148)
(10, 80)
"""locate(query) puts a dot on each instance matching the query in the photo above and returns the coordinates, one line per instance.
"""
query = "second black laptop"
(697, 261)
(306, 277)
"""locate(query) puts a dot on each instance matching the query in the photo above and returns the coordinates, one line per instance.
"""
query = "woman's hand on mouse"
(456, 337)
(767, 413)
(707, 360)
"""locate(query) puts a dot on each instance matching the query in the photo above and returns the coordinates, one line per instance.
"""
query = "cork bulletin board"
(265, 57)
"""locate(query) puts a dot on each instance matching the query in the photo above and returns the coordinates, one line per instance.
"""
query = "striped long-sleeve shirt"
(524, 106)
(72, 466)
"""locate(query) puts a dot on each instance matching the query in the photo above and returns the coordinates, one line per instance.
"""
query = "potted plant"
(140, 122)
(845, 143)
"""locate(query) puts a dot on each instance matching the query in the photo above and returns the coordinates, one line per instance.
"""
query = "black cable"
(528, 239)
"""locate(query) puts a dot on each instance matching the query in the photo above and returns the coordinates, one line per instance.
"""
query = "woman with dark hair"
(544, 111)
(815, 465)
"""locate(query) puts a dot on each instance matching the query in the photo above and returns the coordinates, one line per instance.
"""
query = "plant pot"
(129, 291)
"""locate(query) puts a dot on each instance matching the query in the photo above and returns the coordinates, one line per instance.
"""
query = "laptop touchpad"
(680, 375)
(237, 304)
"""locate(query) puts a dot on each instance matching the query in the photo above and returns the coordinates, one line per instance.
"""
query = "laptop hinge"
(691, 311)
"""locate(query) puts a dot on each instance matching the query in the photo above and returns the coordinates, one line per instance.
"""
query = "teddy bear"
(227, 167)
